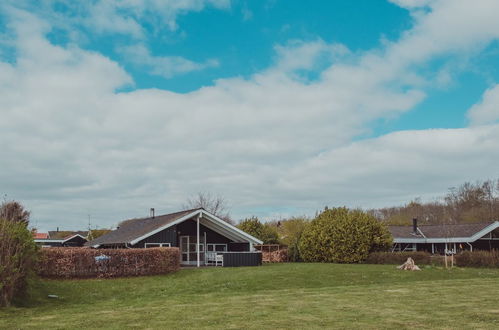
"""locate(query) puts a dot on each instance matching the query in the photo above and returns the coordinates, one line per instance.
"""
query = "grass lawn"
(271, 296)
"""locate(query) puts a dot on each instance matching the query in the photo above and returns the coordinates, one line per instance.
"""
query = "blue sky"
(282, 107)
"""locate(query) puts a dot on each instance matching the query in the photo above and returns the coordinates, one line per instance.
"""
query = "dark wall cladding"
(168, 235)
(189, 228)
(239, 246)
(75, 241)
(235, 259)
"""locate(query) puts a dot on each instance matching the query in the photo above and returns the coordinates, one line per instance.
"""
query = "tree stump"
(409, 265)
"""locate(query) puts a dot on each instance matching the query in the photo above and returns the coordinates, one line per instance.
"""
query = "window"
(216, 247)
(153, 245)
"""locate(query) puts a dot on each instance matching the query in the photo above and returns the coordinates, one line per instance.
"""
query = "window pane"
(220, 247)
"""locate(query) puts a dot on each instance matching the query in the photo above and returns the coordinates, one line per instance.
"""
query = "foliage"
(478, 259)
(286, 296)
(18, 253)
(13, 211)
(82, 262)
(96, 233)
(470, 202)
(398, 258)
(290, 232)
(344, 236)
(214, 204)
(266, 232)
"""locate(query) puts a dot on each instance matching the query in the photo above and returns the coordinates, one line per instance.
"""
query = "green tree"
(18, 252)
(344, 236)
(290, 232)
(266, 232)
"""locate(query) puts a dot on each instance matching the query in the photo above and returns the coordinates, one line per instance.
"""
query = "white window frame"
(214, 245)
(159, 245)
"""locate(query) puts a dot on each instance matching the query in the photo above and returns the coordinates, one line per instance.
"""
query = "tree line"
(467, 203)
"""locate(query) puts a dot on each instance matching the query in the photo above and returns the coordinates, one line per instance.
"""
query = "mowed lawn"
(268, 297)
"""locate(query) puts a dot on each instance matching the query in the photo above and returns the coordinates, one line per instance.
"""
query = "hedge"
(478, 259)
(88, 263)
(398, 258)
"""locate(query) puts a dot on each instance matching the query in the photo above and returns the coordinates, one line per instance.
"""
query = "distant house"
(61, 238)
(202, 237)
(450, 238)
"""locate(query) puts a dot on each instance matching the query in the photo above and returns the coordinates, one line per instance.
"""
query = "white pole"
(432, 248)
(197, 241)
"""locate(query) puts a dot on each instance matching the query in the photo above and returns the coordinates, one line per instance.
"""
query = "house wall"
(235, 259)
(75, 241)
(169, 235)
(189, 228)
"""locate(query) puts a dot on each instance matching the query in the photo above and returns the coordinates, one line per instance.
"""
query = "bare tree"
(14, 211)
(214, 204)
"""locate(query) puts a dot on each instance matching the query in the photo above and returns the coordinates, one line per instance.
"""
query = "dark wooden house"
(203, 238)
(450, 238)
(62, 239)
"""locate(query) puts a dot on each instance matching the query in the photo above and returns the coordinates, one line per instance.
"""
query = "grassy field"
(272, 296)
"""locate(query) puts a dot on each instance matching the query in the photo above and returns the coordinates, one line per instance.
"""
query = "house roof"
(467, 232)
(133, 230)
(40, 235)
(64, 234)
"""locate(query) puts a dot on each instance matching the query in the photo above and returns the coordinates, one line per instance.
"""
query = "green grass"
(272, 296)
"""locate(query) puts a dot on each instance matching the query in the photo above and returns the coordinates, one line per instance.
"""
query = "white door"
(189, 252)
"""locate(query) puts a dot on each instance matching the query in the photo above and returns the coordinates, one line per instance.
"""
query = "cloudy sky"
(108, 108)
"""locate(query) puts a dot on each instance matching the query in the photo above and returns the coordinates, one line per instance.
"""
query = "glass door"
(188, 249)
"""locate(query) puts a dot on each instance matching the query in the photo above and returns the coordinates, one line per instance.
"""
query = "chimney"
(415, 226)
(151, 212)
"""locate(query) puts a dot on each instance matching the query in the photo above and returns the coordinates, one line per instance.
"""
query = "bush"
(344, 236)
(290, 232)
(86, 262)
(398, 258)
(265, 232)
(478, 259)
(18, 254)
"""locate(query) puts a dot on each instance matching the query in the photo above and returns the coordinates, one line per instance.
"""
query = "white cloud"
(487, 110)
(165, 66)
(71, 145)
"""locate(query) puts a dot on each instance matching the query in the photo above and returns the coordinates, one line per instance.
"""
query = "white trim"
(160, 244)
(41, 240)
(214, 247)
(69, 238)
(250, 238)
(234, 231)
(420, 232)
(157, 230)
(470, 239)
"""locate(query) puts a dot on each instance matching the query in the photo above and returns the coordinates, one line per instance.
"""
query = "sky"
(109, 108)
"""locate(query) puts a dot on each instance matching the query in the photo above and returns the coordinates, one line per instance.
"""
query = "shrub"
(265, 232)
(86, 262)
(290, 232)
(397, 258)
(478, 259)
(18, 254)
(344, 236)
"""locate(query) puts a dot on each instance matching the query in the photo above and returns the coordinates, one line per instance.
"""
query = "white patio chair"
(219, 260)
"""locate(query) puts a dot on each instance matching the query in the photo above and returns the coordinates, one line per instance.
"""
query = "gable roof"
(134, 230)
(37, 235)
(463, 232)
(64, 234)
